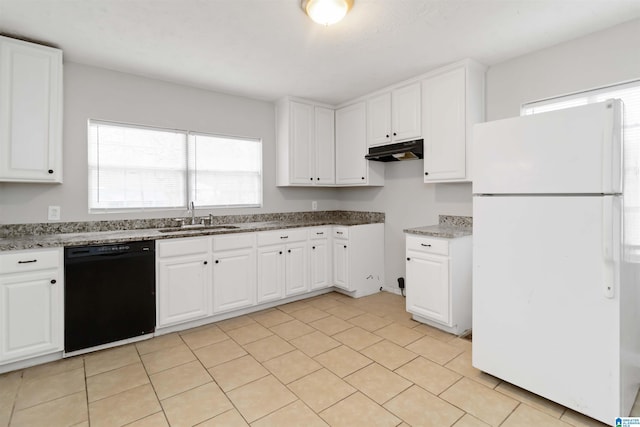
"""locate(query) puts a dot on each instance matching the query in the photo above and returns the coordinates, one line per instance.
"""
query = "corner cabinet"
(30, 112)
(358, 258)
(352, 169)
(452, 102)
(31, 304)
(305, 143)
(439, 282)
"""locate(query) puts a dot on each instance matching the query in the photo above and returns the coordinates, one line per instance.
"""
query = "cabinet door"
(271, 278)
(296, 275)
(301, 140)
(379, 119)
(30, 112)
(351, 144)
(341, 264)
(320, 263)
(428, 290)
(31, 320)
(444, 126)
(234, 279)
(184, 285)
(405, 108)
(325, 146)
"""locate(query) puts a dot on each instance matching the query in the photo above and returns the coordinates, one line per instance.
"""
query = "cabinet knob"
(311, 178)
(395, 134)
(53, 281)
(408, 259)
(217, 261)
(205, 263)
(289, 251)
(50, 171)
(280, 252)
(318, 178)
(362, 177)
(345, 246)
(426, 173)
(313, 247)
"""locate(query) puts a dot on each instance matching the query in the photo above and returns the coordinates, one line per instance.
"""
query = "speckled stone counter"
(34, 236)
(448, 226)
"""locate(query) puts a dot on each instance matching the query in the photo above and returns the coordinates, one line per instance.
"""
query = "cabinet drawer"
(234, 241)
(282, 236)
(179, 247)
(428, 244)
(16, 262)
(319, 233)
(341, 232)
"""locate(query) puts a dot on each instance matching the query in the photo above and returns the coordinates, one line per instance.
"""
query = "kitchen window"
(629, 93)
(133, 168)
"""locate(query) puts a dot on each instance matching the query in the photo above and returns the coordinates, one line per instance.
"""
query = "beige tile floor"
(327, 360)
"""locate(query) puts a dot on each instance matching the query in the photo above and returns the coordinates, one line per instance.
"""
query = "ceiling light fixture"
(326, 12)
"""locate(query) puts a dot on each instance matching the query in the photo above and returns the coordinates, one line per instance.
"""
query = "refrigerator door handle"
(608, 247)
(612, 148)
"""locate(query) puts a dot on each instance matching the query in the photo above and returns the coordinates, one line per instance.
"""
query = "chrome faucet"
(192, 208)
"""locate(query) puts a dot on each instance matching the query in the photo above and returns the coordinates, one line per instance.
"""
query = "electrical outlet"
(54, 213)
(314, 206)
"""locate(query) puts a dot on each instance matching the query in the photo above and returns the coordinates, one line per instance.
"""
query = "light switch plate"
(314, 206)
(54, 213)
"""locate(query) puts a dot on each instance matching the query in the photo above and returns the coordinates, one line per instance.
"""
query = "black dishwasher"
(109, 293)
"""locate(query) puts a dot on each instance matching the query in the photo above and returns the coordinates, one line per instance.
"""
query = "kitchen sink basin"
(198, 228)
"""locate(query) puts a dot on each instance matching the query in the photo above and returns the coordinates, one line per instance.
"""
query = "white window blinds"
(135, 167)
(629, 93)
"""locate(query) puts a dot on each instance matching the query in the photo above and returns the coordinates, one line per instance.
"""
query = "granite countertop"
(35, 240)
(448, 227)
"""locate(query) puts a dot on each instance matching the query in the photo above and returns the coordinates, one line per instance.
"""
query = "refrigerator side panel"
(571, 151)
(544, 317)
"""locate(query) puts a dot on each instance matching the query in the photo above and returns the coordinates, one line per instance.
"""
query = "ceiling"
(266, 49)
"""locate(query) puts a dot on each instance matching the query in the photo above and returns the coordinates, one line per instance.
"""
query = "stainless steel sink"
(198, 228)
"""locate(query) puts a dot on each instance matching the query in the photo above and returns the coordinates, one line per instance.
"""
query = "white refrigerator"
(555, 300)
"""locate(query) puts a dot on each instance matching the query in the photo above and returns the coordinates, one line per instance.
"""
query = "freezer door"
(576, 150)
(546, 313)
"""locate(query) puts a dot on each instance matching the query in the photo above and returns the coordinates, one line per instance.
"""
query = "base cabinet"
(358, 258)
(320, 258)
(183, 280)
(31, 304)
(282, 267)
(439, 282)
(234, 272)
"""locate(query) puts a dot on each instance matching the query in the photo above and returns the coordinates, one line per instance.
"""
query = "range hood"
(407, 150)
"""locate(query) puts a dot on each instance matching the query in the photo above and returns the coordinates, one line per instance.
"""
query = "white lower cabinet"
(358, 258)
(282, 264)
(439, 282)
(202, 277)
(320, 258)
(183, 280)
(234, 272)
(31, 304)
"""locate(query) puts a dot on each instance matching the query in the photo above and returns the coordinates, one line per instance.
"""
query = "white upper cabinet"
(325, 166)
(30, 112)
(305, 143)
(452, 102)
(351, 147)
(394, 116)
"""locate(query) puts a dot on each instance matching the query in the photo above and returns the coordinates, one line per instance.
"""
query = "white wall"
(603, 58)
(97, 93)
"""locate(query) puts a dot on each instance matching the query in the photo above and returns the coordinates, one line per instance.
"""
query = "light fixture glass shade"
(326, 12)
